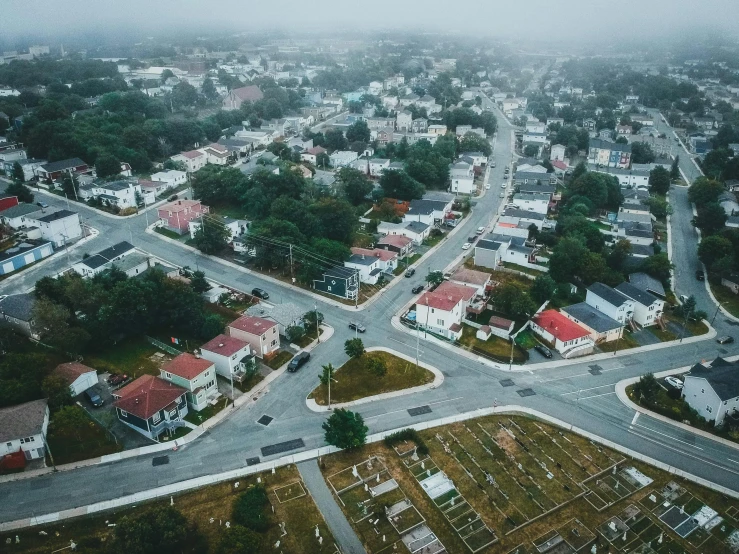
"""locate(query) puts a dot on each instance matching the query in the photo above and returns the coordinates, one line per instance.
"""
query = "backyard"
(77, 437)
(355, 379)
(726, 298)
(495, 347)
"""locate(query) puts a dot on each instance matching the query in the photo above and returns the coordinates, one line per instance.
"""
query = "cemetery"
(516, 485)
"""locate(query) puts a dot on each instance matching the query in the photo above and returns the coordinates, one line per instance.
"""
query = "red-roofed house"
(567, 337)
(443, 310)
(230, 356)
(192, 160)
(238, 96)
(196, 375)
(560, 167)
(176, 216)
(311, 155)
(151, 405)
(396, 243)
(261, 334)
(79, 377)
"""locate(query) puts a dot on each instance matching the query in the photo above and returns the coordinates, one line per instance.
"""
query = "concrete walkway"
(342, 531)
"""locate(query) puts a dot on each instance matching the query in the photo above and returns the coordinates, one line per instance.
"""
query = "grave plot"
(611, 487)
(552, 543)
(522, 549)
(576, 535)
(289, 492)
(355, 475)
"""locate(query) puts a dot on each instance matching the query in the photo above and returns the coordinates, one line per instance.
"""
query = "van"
(94, 398)
(298, 361)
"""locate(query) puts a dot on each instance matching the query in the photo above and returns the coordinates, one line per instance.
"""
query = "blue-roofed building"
(602, 328)
(23, 254)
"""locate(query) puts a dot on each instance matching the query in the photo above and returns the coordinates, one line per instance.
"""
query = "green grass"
(129, 356)
(726, 298)
(433, 240)
(522, 269)
(196, 418)
(168, 233)
(305, 340)
(664, 336)
(281, 358)
(526, 340)
(82, 442)
(626, 341)
(354, 380)
(496, 347)
(229, 211)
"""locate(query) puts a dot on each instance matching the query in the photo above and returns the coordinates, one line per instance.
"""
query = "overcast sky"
(559, 18)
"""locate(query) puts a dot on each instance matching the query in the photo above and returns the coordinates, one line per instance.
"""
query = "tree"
(212, 327)
(711, 217)
(336, 217)
(209, 89)
(162, 530)
(659, 180)
(357, 185)
(580, 169)
(358, 132)
(704, 191)
(199, 283)
(472, 142)
(646, 388)
(434, 278)
(658, 207)
(212, 236)
(70, 186)
(335, 139)
(354, 348)
(400, 185)
(567, 257)
(713, 248)
(323, 160)
(20, 190)
(69, 419)
(675, 169)
(377, 366)
(543, 288)
(56, 389)
(327, 374)
(237, 539)
(250, 509)
(107, 165)
(309, 319)
(17, 175)
(641, 153)
(531, 151)
(345, 430)
(658, 266)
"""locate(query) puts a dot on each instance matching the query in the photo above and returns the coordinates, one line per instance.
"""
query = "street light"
(718, 307)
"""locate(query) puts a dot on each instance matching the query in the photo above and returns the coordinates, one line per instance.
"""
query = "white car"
(480, 230)
(502, 194)
(487, 186)
(466, 246)
(674, 381)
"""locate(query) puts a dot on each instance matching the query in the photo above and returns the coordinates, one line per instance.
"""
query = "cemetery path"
(345, 536)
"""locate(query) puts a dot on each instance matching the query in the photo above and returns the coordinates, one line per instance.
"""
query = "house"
(535, 126)
(414, 230)
(403, 120)
(442, 311)
(533, 177)
(377, 123)
(238, 96)
(193, 160)
(536, 202)
(611, 302)
(462, 177)
(568, 338)
(497, 326)
(623, 130)
(437, 130)
(236, 227)
(647, 283)
(29, 166)
(286, 314)
(524, 218)
(230, 356)
(196, 375)
(609, 154)
(60, 227)
(262, 334)
(177, 215)
(151, 405)
(399, 244)
(648, 308)
(55, 170)
(478, 158)
(428, 211)
(377, 166)
(602, 328)
(342, 158)
(557, 152)
(23, 429)
(97, 263)
(478, 280)
(339, 281)
(311, 154)
(132, 265)
(713, 390)
(372, 263)
(78, 376)
(22, 254)
(488, 253)
(16, 312)
(171, 178)
(589, 124)
(121, 194)
(627, 178)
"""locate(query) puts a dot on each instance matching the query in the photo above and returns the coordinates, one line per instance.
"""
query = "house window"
(328, 289)
(167, 374)
(709, 409)
(9, 444)
(123, 413)
(156, 418)
(274, 342)
(440, 321)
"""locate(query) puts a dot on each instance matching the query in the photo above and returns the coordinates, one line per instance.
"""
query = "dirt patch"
(506, 442)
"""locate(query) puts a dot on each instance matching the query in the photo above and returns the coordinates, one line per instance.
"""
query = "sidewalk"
(335, 519)
(436, 383)
(103, 213)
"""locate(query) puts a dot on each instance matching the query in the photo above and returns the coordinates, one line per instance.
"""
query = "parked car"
(261, 293)
(480, 230)
(115, 379)
(172, 198)
(417, 289)
(543, 350)
(700, 275)
(466, 246)
(502, 194)
(298, 361)
(487, 186)
(94, 398)
(354, 326)
(674, 382)
(471, 239)
(725, 340)
(410, 272)
(493, 164)
(42, 204)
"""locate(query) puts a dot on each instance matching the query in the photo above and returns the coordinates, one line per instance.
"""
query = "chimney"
(220, 345)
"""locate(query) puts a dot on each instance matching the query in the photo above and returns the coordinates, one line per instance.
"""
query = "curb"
(436, 383)
(103, 213)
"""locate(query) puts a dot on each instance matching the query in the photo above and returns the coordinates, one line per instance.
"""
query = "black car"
(357, 327)
(410, 272)
(298, 361)
(700, 275)
(42, 204)
(472, 239)
(725, 340)
(94, 398)
(417, 289)
(543, 350)
(260, 293)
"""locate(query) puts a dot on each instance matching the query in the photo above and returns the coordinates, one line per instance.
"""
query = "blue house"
(23, 254)
(339, 281)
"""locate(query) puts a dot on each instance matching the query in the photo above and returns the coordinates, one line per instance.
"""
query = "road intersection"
(581, 393)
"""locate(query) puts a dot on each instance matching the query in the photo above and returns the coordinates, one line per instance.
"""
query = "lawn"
(526, 340)
(282, 357)
(354, 380)
(297, 511)
(522, 269)
(196, 418)
(497, 348)
(306, 339)
(433, 239)
(726, 298)
(129, 356)
(626, 341)
(168, 233)
(231, 211)
(79, 442)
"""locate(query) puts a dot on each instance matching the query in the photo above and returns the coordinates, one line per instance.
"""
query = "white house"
(428, 211)
(236, 227)
(342, 158)
(462, 177)
(92, 265)
(417, 231)
(378, 165)
(371, 264)
(23, 429)
(535, 126)
(403, 121)
(229, 355)
(713, 390)
(557, 152)
(648, 308)
(122, 194)
(60, 227)
(536, 202)
(611, 302)
(78, 376)
(442, 311)
(172, 178)
(192, 160)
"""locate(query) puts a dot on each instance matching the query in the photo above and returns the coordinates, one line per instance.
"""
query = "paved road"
(574, 393)
(345, 536)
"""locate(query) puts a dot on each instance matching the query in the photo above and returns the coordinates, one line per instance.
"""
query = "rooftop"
(19, 210)
(723, 377)
(18, 306)
(252, 325)
(56, 216)
(646, 282)
(587, 315)
(644, 298)
(22, 420)
(147, 395)
(61, 165)
(471, 276)
(187, 366)
(395, 240)
(559, 326)
(384, 255)
(70, 371)
(609, 294)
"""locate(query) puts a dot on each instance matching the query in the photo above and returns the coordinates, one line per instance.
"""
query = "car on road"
(725, 339)
(700, 275)
(94, 398)
(493, 164)
(502, 194)
(674, 382)
(42, 204)
(487, 186)
(298, 361)
(260, 293)
(466, 246)
(410, 272)
(472, 238)
(354, 326)
(480, 230)
(417, 289)
(543, 350)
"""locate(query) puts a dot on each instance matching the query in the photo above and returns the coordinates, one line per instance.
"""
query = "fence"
(159, 344)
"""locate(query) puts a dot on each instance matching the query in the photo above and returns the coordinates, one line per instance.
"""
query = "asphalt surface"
(573, 393)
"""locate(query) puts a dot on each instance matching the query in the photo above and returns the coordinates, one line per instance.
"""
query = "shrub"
(250, 509)
(408, 435)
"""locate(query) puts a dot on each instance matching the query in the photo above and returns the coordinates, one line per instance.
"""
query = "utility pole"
(329, 389)
(318, 332)
(291, 261)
